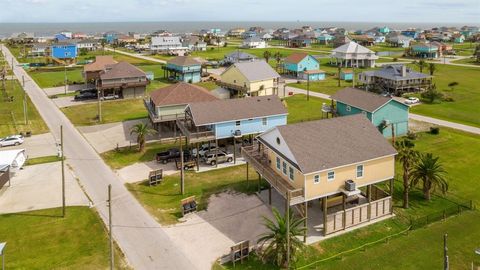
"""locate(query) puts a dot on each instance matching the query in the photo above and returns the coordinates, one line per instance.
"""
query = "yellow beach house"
(342, 167)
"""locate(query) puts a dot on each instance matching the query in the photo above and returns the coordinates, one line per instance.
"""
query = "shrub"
(395, 59)
(299, 82)
(434, 130)
(411, 135)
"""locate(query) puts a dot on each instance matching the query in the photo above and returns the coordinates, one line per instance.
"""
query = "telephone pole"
(63, 171)
(446, 264)
(109, 204)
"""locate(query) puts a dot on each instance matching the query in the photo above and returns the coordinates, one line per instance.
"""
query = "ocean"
(45, 29)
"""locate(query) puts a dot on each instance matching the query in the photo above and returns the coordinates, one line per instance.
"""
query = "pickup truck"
(171, 154)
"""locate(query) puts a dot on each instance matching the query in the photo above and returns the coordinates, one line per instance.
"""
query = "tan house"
(122, 79)
(343, 162)
(256, 78)
(91, 71)
(167, 104)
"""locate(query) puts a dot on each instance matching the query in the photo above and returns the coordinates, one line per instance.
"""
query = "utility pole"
(63, 171)
(109, 204)
(25, 115)
(182, 173)
(99, 102)
(446, 264)
(308, 87)
(65, 62)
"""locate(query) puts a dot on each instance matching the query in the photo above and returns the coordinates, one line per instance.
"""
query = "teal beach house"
(386, 113)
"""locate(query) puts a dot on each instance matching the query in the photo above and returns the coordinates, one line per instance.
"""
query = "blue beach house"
(304, 66)
(111, 37)
(384, 30)
(410, 33)
(346, 75)
(64, 51)
(386, 113)
(183, 68)
(424, 50)
(61, 37)
(325, 38)
(232, 118)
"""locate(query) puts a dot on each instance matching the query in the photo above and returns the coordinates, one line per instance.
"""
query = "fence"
(420, 222)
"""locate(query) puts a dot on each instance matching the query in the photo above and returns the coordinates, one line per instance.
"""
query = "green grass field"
(300, 110)
(128, 156)
(466, 95)
(7, 124)
(44, 240)
(468, 61)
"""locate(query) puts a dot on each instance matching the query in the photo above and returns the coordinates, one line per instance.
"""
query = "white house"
(254, 43)
(166, 44)
(352, 54)
(88, 44)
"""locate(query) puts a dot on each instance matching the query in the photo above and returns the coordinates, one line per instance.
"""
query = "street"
(140, 237)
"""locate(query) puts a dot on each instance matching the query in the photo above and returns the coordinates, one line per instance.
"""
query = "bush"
(434, 130)
(299, 82)
(395, 59)
(411, 135)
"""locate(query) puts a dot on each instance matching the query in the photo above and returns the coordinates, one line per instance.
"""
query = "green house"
(386, 113)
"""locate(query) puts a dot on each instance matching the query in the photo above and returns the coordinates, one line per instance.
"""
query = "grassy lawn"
(466, 95)
(44, 240)
(163, 200)
(9, 126)
(42, 160)
(53, 77)
(128, 156)
(468, 61)
(300, 110)
(210, 85)
(112, 111)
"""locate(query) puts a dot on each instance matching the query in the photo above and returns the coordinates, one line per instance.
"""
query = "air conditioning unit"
(350, 185)
(237, 133)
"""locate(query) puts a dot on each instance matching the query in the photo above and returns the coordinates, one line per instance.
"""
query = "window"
(264, 121)
(331, 176)
(237, 123)
(348, 108)
(290, 173)
(284, 168)
(278, 163)
(359, 171)
(278, 140)
(316, 179)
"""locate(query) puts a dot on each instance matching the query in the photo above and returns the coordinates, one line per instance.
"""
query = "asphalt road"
(140, 237)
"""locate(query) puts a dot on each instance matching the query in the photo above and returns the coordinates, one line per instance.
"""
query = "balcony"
(259, 161)
(122, 85)
(193, 133)
(160, 118)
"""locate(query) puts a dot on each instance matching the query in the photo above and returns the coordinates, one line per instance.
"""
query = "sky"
(454, 11)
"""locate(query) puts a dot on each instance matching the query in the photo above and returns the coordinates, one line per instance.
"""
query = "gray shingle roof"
(204, 113)
(360, 99)
(394, 72)
(121, 70)
(184, 61)
(330, 143)
(256, 70)
(240, 55)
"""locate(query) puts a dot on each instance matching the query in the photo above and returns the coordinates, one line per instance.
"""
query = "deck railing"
(160, 118)
(259, 161)
(195, 134)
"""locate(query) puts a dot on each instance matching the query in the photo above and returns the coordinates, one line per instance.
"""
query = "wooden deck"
(259, 162)
(195, 134)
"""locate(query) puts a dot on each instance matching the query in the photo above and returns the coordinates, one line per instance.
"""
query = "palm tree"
(421, 65)
(278, 59)
(267, 55)
(408, 157)
(432, 68)
(431, 173)
(102, 43)
(142, 130)
(274, 242)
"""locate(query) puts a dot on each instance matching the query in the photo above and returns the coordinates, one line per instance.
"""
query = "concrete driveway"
(39, 187)
(68, 101)
(139, 171)
(106, 137)
(37, 146)
(70, 89)
(230, 218)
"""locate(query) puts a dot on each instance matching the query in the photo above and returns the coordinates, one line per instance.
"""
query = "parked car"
(412, 100)
(203, 149)
(171, 154)
(222, 156)
(11, 140)
(85, 95)
(110, 97)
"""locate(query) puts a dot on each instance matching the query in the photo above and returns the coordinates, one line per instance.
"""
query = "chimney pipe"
(404, 71)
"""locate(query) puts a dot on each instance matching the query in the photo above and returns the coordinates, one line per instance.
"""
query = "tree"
(103, 43)
(421, 65)
(278, 59)
(476, 53)
(83, 51)
(267, 55)
(452, 85)
(407, 157)
(430, 172)
(273, 243)
(432, 68)
(431, 94)
(142, 130)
